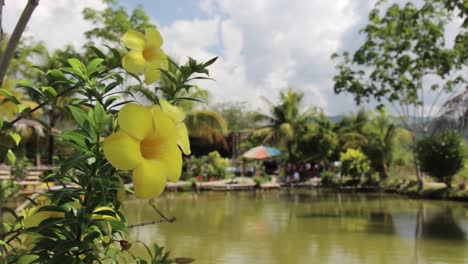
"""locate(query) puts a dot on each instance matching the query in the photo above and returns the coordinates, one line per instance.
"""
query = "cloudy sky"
(263, 46)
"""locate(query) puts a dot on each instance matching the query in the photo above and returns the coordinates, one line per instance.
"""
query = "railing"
(30, 182)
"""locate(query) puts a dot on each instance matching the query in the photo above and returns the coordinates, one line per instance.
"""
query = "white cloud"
(56, 23)
(263, 45)
(192, 38)
(270, 45)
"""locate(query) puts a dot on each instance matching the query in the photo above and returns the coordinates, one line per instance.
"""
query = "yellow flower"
(145, 55)
(9, 109)
(146, 143)
(177, 116)
(31, 104)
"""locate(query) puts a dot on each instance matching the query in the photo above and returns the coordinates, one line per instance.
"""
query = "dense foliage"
(354, 163)
(441, 155)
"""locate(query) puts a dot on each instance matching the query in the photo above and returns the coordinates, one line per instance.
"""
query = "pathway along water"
(304, 226)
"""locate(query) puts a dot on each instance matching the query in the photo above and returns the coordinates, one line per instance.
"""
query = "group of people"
(294, 172)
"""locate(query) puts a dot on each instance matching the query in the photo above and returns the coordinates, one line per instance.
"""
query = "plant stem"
(16, 35)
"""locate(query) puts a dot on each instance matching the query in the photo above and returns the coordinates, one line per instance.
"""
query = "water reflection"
(442, 226)
(297, 226)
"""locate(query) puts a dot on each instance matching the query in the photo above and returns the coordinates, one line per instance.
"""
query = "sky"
(264, 46)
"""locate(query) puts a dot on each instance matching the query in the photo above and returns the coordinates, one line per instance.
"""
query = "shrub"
(327, 177)
(441, 155)
(354, 163)
(261, 179)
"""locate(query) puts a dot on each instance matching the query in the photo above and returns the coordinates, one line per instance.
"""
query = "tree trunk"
(291, 155)
(51, 147)
(384, 170)
(419, 174)
(16, 35)
(38, 151)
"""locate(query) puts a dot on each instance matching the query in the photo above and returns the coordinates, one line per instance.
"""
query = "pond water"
(304, 226)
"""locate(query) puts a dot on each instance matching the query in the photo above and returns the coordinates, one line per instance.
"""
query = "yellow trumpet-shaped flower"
(177, 116)
(146, 143)
(145, 55)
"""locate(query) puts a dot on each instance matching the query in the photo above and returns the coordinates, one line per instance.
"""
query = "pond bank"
(432, 190)
(237, 184)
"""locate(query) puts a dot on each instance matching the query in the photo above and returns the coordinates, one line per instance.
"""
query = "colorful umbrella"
(261, 152)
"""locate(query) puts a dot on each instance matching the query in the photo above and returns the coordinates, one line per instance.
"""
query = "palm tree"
(381, 132)
(351, 130)
(285, 123)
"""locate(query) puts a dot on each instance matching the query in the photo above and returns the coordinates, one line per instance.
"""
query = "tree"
(111, 23)
(354, 163)
(236, 115)
(381, 132)
(441, 155)
(351, 130)
(321, 142)
(285, 123)
(403, 47)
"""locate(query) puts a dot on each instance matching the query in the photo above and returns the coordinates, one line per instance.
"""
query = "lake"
(303, 226)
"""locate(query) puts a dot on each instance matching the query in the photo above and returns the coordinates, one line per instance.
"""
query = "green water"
(304, 226)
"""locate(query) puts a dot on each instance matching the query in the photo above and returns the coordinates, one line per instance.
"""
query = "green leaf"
(57, 74)
(208, 63)
(76, 64)
(100, 117)
(27, 259)
(30, 86)
(51, 208)
(74, 137)
(1, 122)
(79, 114)
(94, 65)
(49, 92)
(192, 62)
(114, 52)
(97, 52)
(11, 157)
(75, 72)
(169, 76)
(10, 96)
(15, 136)
(22, 107)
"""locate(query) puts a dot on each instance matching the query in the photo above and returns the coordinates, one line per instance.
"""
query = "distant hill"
(336, 119)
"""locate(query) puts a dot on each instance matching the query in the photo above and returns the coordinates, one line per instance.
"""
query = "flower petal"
(153, 36)
(9, 109)
(122, 151)
(136, 120)
(149, 179)
(134, 40)
(152, 74)
(183, 138)
(36, 114)
(164, 127)
(163, 60)
(134, 62)
(175, 113)
(172, 159)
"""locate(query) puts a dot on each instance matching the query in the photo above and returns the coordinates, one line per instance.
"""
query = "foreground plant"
(81, 221)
